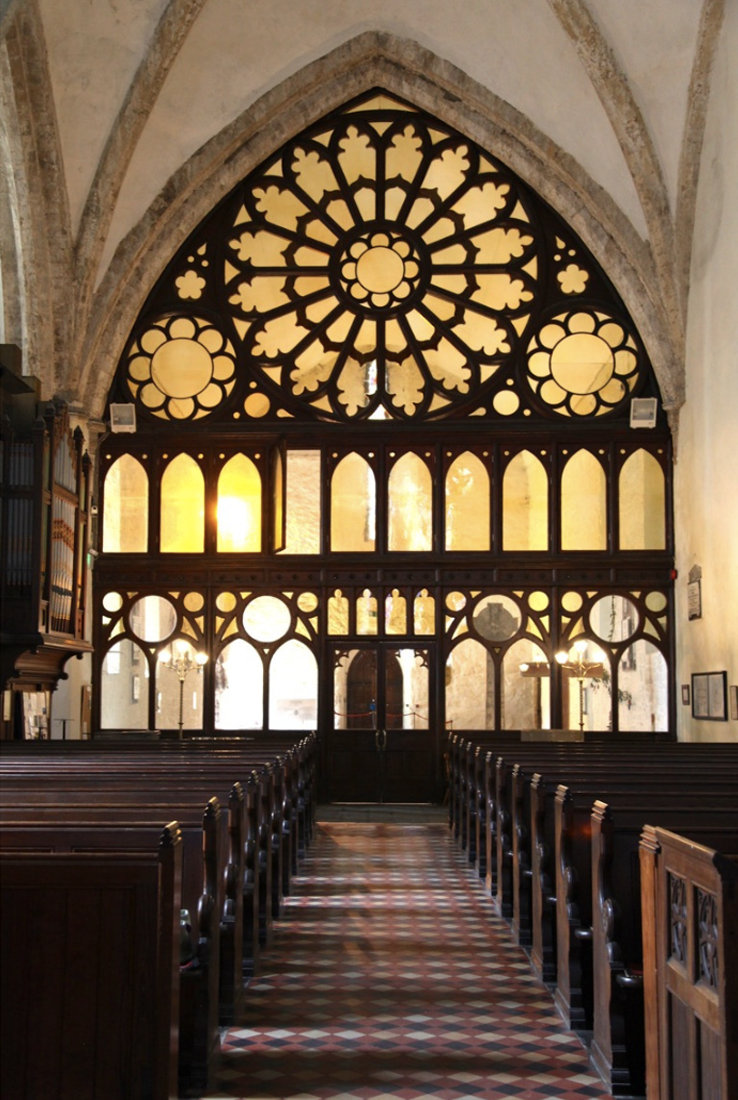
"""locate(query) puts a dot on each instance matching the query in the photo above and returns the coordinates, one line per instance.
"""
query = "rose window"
(181, 367)
(582, 364)
(382, 266)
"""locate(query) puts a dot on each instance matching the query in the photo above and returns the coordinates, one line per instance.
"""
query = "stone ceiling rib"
(613, 89)
(713, 12)
(171, 32)
(45, 252)
(12, 304)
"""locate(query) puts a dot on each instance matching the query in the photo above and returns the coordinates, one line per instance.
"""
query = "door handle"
(382, 740)
(378, 740)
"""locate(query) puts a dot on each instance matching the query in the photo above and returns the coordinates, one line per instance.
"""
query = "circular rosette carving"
(381, 267)
(181, 368)
(583, 363)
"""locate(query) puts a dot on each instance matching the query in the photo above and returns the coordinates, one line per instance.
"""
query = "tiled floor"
(390, 978)
(391, 813)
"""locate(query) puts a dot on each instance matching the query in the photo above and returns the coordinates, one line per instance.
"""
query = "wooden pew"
(141, 788)
(574, 860)
(495, 821)
(689, 898)
(533, 840)
(461, 749)
(273, 834)
(118, 778)
(80, 828)
(212, 875)
(466, 784)
(74, 1018)
(597, 769)
(513, 826)
(478, 801)
(617, 1051)
(299, 751)
(676, 782)
(203, 755)
(293, 766)
(217, 911)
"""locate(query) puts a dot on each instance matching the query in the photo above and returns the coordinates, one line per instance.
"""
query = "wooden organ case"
(45, 482)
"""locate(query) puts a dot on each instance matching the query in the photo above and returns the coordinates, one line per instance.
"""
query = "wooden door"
(383, 745)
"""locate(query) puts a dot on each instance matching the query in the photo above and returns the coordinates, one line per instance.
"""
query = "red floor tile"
(391, 978)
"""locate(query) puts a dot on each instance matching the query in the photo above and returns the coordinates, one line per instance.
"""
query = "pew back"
(690, 916)
(90, 959)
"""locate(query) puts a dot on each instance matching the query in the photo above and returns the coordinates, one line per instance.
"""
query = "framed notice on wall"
(734, 701)
(709, 696)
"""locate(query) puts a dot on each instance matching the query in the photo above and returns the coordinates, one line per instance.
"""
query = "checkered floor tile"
(390, 978)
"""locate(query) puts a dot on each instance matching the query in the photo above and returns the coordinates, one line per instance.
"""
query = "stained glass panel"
(382, 266)
(353, 505)
(642, 496)
(239, 506)
(182, 507)
(467, 504)
(126, 516)
(583, 503)
(410, 505)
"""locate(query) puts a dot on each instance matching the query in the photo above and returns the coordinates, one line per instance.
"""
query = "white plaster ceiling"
(654, 43)
(236, 50)
(94, 48)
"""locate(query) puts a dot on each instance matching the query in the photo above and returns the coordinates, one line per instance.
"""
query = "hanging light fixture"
(575, 662)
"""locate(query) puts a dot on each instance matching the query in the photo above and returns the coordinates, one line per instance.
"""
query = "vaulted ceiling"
(122, 122)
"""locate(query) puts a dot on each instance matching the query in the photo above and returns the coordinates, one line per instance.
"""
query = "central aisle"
(390, 977)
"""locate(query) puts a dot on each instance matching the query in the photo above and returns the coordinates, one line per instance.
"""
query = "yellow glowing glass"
(293, 688)
(467, 504)
(239, 507)
(303, 502)
(411, 710)
(470, 687)
(126, 515)
(239, 682)
(583, 504)
(526, 687)
(366, 614)
(338, 614)
(642, 503)
(424, 613)
(525, 504)
(353, 504)
(182, 507)
(410, 505)
(395, 613)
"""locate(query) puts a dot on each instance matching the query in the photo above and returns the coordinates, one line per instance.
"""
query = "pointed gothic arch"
(384, 293)
(403, 68)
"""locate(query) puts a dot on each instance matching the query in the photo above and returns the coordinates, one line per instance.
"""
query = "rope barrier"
(388, 714)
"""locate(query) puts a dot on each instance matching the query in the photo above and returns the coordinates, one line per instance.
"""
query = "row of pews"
(139, 882)
(615, 863)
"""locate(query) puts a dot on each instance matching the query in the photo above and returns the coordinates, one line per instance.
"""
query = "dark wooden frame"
(445, 432)
(714, 687)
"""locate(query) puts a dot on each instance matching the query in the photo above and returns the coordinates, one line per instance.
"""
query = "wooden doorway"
(383, 744)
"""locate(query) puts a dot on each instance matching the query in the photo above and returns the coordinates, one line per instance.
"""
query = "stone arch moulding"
(402, 67)
(37, 261)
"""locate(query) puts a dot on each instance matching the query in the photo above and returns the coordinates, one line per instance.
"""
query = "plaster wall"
(706, 487)
(66, 701)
